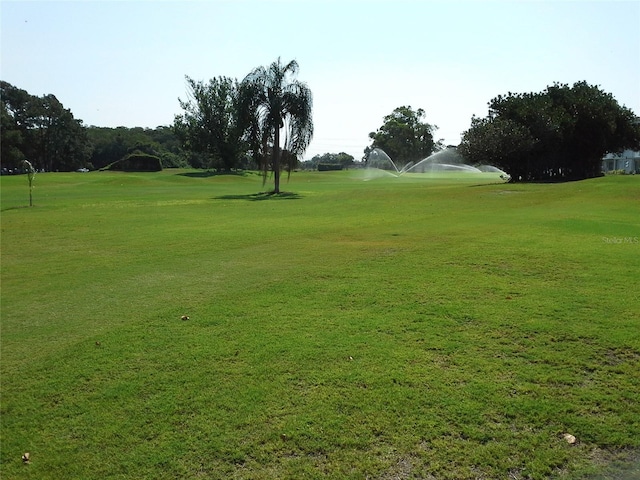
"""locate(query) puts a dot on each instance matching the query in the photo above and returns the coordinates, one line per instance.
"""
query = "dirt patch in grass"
(400, 471)
(618, 465)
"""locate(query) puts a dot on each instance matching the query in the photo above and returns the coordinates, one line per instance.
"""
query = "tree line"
(265, 122)
(44, 132)
(559, 134)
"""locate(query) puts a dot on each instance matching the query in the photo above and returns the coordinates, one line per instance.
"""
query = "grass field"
(413, 327)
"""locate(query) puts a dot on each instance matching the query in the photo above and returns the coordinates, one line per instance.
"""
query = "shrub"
(171, 160)
(325, 167)
(137, 162)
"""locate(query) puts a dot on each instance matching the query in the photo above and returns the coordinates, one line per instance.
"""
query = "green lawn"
(412, 327)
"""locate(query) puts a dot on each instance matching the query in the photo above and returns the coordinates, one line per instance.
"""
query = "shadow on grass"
(4, 209)
(255, 197)
(211, 173)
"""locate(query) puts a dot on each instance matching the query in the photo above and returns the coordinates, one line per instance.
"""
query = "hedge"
(325, 167)
(137, 162)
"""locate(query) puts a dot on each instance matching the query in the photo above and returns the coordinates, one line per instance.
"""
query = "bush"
(137, 162)
(325, 167)
(617, 172)
(171, 160)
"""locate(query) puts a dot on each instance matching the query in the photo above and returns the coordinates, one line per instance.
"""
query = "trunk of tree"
(276, 159)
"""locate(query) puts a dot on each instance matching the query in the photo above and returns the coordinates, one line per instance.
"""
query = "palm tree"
(274, 102)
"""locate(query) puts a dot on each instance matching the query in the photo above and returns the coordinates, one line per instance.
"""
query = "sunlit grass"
(391, 328)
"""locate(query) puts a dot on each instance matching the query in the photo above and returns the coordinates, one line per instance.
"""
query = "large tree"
(343, 159)
(404, 136)
(499, 142)
(274, 103)
(209, 125)
(12, 139)
(41, 130)
(561, 133)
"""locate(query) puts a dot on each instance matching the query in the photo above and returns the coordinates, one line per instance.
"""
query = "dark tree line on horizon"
(42, 131)
(559, 134)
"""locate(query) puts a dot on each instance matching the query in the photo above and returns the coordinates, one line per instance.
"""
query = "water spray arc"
(446, 160)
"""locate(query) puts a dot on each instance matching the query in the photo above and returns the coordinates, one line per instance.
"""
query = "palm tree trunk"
(276, 159)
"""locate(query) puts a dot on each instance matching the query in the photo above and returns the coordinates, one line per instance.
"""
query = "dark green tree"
(404, 136)
(343, 159)
(41, 130)
(559, 134)
(209, 125)
(592, 124)
(273, 103)
(11, 142)
(169, 146)
(16, 125)
(499, 142)
(61, 139)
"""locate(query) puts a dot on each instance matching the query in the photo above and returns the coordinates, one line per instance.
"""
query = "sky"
(123, 63)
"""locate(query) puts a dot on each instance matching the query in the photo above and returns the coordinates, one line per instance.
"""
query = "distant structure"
(627, 161)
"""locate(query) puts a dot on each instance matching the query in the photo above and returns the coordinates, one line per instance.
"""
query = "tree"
(12, 140)
(561, 133)
(42, 130)
(61, 140)
(343, 159)
(15, 124)
(209, 124)
(593, 125)
(499, 142)
(273, 103)
(404, 136)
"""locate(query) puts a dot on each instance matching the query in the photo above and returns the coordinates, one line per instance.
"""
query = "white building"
(629, 161)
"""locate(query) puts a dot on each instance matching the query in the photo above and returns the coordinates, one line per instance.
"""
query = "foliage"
(383, 344)
(42, 130)
(343, 159)
(561, 133)
(500, 142)
(274, 102)
(404, 136)
(112, 144)
(137, 162)
(325, 167)
(209, 126)
(11, 141)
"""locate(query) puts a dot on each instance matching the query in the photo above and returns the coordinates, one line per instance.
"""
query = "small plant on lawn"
(31, 175)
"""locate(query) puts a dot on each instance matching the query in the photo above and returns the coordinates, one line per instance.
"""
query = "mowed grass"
(413, 327)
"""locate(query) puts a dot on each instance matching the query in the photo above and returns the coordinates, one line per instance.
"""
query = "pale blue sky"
(123, 62)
